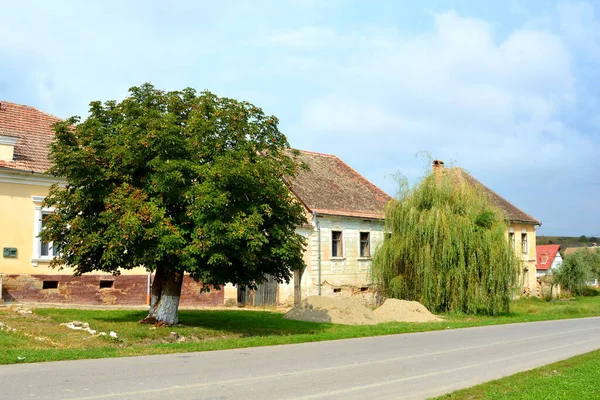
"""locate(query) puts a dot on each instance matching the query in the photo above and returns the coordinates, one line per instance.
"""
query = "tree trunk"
(298, 286)
(164, 302)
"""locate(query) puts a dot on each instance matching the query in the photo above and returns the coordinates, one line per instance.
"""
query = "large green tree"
(177, 182)
(577, 270)
(447, 248)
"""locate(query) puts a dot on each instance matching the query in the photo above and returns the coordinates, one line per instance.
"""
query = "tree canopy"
(177, 182)
(577, 270)
(447, 248)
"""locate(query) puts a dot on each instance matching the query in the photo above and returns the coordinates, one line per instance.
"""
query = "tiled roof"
(513, 213)
(332, 187)
(571, 250)
(545, 255)
(329, 186)
(33, 128)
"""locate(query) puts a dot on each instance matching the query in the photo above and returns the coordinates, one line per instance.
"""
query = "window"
(524, 244)
(511, 238)
(106, 284)
(544, 258)
(46, 248)
(50, 285)
(42, 251)
(336, 244)
(365, 244)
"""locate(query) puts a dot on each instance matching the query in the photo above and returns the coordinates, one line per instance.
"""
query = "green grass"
(222, 329)
(575, 378)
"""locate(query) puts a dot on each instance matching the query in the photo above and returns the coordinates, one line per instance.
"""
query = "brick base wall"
(85, 289)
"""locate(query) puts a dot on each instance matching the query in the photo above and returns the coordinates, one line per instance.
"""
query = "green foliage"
(590, 292)
(189, 182)
(582, 239)
(447, 249)
(577, 270)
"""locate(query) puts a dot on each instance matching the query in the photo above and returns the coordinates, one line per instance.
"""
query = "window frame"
(39, 213)
(512, 239)
(524, 243)
(340, 248)
(360, 244)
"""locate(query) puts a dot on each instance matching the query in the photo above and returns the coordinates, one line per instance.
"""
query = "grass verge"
(40, 337)
(574, 378)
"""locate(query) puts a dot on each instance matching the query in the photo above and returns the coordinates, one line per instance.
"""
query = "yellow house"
(25, 137)
(521, 230)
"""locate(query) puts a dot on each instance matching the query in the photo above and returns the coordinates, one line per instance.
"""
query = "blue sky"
(505, 89)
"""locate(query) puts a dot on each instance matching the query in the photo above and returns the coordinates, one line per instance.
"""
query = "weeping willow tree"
(447, 247)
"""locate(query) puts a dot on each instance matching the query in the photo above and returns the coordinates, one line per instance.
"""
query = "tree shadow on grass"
(240, 322)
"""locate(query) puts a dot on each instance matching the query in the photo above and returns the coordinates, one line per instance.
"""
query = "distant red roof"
(33, 128)
(571, 250)
(332, 187)
(545, 255)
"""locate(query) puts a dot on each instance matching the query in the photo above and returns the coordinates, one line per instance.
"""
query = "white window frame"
(360, 256)
(38, 214)
(524, 243)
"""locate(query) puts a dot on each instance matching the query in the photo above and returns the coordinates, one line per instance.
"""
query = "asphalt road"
(410, 366)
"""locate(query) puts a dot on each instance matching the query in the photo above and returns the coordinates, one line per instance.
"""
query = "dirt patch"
(394, 310)
(345, 311)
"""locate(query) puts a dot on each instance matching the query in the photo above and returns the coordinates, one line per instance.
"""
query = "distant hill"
(568, 241)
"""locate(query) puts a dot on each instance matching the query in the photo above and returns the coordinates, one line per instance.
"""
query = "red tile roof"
(332, 187)
(545, 255)
(33, 128)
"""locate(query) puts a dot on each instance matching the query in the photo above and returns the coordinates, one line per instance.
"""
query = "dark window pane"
(365, 245)
(336, 244)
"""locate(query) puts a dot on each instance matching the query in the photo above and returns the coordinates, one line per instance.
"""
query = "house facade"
(346, 216)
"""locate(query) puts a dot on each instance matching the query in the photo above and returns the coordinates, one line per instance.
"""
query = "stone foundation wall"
(97, 289)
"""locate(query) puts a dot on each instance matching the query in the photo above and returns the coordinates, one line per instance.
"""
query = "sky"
(504, 89)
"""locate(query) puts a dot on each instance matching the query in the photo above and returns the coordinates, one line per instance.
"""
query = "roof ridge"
(317, 153)
(2, 102)
(501, 197)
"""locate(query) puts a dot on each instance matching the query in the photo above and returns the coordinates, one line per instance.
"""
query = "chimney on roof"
(438, 164)
(7, 147)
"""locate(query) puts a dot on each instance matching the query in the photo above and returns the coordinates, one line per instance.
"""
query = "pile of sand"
(336, 310)
(394, 310)
(348, 311)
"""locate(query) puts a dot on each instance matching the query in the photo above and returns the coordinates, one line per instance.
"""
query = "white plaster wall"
(348, 273)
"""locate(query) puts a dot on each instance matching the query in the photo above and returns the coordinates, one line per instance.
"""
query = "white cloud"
(579, 25)
(470, 95)
(496, 106)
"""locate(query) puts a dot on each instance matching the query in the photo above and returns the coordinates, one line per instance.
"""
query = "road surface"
(409, 366)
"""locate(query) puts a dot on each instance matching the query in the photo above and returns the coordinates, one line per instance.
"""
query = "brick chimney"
(438, 164)
(7, 147)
